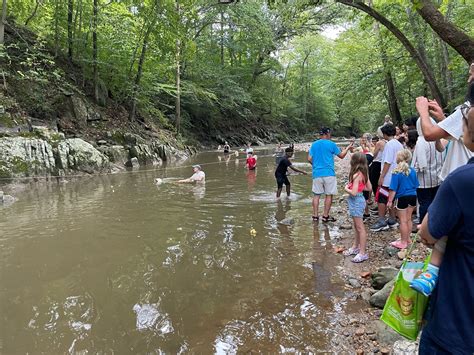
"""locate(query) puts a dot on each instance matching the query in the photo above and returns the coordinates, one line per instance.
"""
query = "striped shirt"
(429, 177)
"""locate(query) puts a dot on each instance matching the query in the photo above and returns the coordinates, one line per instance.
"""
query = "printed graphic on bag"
(406, 304)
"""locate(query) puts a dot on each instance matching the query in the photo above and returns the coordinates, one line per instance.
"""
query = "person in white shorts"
(321, 156)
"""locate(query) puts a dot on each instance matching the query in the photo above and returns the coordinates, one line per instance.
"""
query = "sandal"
(360, 258)
(328, 219)
(350, 251)
(399, 244)
(315, 218)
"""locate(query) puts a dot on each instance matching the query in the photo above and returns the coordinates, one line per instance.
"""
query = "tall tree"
(2, 21)
(392, 95)
(70, 9)
(452, 35)
(178, 73)
(94, 51)
(422, 65)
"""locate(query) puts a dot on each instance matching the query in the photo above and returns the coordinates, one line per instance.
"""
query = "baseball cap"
(197, 166)
(324, 130)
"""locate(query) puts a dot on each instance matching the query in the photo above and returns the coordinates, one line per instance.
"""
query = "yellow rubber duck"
(253, 232)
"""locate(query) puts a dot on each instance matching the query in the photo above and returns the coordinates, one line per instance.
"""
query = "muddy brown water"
(116, 264)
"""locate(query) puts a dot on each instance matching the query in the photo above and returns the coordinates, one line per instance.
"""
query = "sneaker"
(392, 223)
(380, 225)
(425, 283)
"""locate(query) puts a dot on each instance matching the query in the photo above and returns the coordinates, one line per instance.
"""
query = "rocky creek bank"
(42, 152)
(369, 283)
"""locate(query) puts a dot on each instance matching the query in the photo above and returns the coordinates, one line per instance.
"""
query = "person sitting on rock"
(198, 177)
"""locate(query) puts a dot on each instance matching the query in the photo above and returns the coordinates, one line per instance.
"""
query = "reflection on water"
(121, 264)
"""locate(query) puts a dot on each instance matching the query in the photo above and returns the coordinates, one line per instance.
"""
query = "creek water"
(118, 264)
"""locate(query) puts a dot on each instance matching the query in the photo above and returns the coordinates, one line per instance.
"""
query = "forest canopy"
(203, 67)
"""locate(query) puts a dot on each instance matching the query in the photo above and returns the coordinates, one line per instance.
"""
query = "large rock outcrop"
(77, 155)
(21, 156)
(48, 153)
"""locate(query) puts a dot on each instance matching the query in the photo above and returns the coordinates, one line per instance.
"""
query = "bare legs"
(288, 191)
(316, 205)
(327, 205)
(406, 223)
(360, 240)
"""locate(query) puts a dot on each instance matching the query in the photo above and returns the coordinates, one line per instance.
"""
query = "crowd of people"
(423, 169)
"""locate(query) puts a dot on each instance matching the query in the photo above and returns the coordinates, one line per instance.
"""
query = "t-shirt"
(251, 162)
(457, 154)
(451, 318)
(428, 177)
(282, 167)
(389, 155)
(322, 152)
(199, 176)
(404, 185)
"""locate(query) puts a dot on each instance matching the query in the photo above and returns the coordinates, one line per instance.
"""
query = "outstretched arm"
(298, 170)
(345, 151)
(431, 131)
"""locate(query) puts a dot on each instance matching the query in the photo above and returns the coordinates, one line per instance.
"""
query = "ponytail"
(403, 159)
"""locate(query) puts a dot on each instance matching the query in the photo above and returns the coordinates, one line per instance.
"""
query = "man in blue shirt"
(450, 327)
(321, 156)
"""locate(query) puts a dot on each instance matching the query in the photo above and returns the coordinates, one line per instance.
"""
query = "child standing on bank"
(358, 183)
(403, 188)
(281, 171)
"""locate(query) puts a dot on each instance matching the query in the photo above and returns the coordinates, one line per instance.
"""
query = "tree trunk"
(222, 39)
(77, 14)
(303, 85)
(448, 77)
(56, 28)
(392, 94)
(70, 7)
(94, 51)
(428, 76)
(417, 33)
(449, 33)
(178, 77)
(138, 77)
(2, 21)
(283, 89)
(33, 14)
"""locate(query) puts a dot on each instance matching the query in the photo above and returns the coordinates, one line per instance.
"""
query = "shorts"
(356, 205)
(326, 185)
(282, 179)
(405, 201)
(381, 198)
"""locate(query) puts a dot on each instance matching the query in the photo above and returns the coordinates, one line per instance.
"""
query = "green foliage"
(252, 63)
